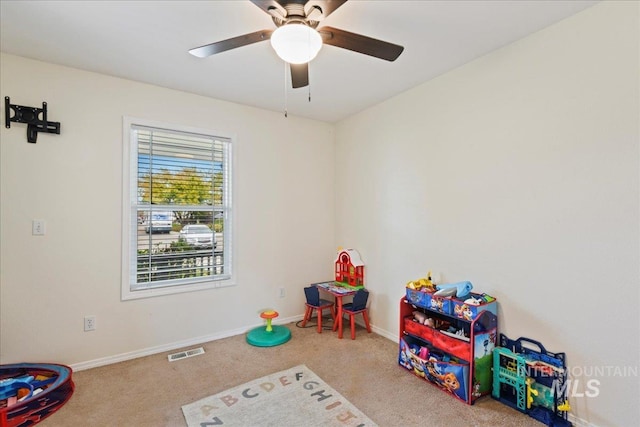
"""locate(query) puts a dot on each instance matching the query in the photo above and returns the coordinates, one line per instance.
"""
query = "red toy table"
(338, 292)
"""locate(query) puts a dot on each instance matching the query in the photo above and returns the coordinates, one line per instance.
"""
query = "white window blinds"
(180, 202)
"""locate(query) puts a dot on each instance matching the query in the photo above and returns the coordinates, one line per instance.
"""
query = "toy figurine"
(424, 284)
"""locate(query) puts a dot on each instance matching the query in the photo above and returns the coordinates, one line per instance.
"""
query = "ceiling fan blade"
(232, 43)
(326, 6)
(361, 44)
(299, 75)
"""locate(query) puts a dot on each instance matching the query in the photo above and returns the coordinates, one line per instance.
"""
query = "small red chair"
(315, 303)
(357, 306)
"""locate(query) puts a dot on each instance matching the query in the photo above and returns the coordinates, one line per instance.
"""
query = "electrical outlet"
(89, 323)
(37, 227)
(282, 293)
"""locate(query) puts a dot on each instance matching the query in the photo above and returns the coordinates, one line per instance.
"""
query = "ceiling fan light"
(296, 43)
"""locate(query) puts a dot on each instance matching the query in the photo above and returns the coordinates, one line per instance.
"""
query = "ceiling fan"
(301, 18)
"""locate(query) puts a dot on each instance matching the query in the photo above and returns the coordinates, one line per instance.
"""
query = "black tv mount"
(35, 118)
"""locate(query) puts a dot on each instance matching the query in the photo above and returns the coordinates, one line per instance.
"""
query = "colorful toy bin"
(426, 299)
(472, 305)
(449, 373)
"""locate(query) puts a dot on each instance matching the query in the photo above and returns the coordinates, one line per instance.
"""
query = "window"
(177, 209)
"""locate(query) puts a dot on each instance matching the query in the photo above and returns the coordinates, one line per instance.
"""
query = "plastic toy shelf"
(450, 348)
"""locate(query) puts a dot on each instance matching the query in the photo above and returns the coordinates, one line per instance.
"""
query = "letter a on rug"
(295, 397)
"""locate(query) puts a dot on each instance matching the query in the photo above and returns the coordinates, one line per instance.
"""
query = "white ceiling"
(148, 41)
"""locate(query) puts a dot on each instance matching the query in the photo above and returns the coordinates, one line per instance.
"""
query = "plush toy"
(420, 317)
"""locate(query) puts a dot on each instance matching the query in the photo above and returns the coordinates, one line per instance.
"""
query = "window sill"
(128, 294)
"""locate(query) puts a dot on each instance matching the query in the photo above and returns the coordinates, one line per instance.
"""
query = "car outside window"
(197, 229)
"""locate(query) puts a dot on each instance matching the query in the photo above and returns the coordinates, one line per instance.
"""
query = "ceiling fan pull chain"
(285, 88)
(309, 66)
(309, 84)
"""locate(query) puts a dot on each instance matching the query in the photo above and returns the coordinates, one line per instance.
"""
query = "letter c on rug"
(245, 393)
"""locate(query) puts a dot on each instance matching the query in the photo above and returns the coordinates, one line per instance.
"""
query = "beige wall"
(519, 172)
(284, 191)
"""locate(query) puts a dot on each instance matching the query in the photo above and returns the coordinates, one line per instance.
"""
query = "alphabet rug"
(291, 398)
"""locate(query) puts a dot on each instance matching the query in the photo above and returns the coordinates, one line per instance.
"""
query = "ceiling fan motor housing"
(295, 13)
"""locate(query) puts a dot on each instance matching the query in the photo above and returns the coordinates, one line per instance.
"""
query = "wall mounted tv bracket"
(35, 118)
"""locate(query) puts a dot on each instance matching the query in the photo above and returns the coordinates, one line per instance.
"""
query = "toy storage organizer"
(459, 362)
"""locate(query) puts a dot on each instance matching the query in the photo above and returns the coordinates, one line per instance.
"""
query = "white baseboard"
(579, 422)
(81, 366)
(386, 334)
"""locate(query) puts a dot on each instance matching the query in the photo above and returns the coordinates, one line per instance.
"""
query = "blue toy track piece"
(57, 388)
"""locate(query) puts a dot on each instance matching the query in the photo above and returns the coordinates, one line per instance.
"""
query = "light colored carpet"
(294, 397)
(150, 391)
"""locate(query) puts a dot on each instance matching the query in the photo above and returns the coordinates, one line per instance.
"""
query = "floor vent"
(184, 354)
